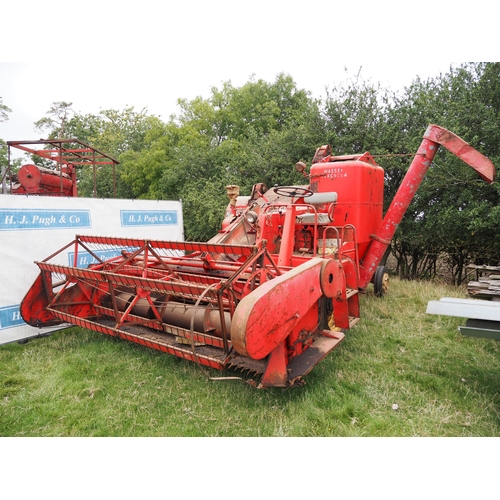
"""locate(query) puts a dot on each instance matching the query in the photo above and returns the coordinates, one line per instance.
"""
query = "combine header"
(272, 293)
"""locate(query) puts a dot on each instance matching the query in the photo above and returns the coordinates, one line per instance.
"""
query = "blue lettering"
(148, 217)
(20, 218)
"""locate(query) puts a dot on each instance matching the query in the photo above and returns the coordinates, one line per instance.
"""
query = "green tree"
(257, 132)
(355, 113)
(55, 122)
(120, 134)
(254, 133)
(114, 132)
(4, 111)
(448, 216)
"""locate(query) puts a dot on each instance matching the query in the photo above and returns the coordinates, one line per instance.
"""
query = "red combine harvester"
(272, 293)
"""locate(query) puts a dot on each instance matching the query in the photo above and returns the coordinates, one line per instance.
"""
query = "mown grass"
(81, 383)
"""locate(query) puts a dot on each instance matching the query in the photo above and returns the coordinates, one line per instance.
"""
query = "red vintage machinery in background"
(272, 293)
(66, 155)
(32, 179)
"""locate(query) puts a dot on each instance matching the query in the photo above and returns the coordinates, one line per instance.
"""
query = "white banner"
(34, 227)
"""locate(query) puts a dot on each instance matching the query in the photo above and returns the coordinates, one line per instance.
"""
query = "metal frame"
(63, 152)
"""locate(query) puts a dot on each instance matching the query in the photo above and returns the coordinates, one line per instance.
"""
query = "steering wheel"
(293, 191)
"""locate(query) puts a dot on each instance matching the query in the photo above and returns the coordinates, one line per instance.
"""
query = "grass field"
(400, 372)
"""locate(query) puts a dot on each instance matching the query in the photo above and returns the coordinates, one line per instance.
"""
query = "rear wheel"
(381, 281)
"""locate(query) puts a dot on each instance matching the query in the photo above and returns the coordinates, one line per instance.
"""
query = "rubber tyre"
(381, 281)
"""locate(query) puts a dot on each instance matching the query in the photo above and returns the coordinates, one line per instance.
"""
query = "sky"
(29, 92)
(112, 55)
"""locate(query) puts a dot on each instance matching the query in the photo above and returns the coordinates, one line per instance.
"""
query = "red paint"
(359, 184)
(411, 182)
(266, 294)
